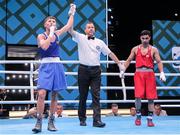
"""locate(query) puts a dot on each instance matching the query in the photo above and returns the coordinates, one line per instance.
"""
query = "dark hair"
(114, 105)
(49, 17)
(132, 108)
(158, 106)
(89, 22)
(145, 32)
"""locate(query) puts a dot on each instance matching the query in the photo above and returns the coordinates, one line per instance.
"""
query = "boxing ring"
(114, 125)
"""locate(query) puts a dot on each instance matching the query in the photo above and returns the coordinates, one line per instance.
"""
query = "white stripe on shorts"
(50, 60)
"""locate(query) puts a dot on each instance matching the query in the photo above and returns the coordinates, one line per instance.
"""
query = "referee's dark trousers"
(89, 76)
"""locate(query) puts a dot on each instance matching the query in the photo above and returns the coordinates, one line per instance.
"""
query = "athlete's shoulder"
(41, 34)
(135, 47)
(153, 48)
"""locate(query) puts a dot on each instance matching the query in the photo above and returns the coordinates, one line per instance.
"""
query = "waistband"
(86, 66)
(50, 59)
(144, 69)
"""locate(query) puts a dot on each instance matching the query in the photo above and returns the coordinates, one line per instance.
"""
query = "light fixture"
(109, 22)
(26, 76)
(20, 76)
(176, 14)
(7, 78)
(13, 91)
(20, 91)
(13, 76)
(25, 64)
(109, 9)
(25, 91)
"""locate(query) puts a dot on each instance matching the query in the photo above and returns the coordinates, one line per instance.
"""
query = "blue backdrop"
(165, 38)
(23, 21)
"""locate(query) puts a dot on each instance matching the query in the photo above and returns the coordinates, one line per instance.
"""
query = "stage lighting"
(109, 9)
(7, 78)
(26, 76)
(20, 76)
(14, 76)
(13, 91)
(20, 91)
(176, 14)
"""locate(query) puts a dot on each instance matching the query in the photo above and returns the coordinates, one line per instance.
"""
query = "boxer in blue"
(51, 75)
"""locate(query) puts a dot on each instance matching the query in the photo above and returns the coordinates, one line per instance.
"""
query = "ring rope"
(170, 105)
(31, 72)
(88, 101)
(75, 73)
(102, 87)
(68, 61)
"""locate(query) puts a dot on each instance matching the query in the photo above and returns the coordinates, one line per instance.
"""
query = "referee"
(89, 71)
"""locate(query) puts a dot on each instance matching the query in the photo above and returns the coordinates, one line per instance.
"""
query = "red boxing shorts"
(145, 85)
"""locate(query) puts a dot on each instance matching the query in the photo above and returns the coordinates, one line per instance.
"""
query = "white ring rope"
(170, 105)
(88, 101)
(31, 81)
(75, 73)
(102, 87)
(68, 62)
(123, 87)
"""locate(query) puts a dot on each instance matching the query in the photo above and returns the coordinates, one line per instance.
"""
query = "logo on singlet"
(98, 47)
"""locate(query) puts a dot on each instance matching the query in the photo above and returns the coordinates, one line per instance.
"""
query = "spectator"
(158, 111)
(114, 111)
(59, 111)
(32, 113)
(133, 111)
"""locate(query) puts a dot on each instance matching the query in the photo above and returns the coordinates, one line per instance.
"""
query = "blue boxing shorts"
(51, 75)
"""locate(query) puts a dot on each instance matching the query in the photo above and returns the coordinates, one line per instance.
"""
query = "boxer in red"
(144, 78)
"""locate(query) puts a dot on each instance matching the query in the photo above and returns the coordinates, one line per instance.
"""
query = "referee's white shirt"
(89, 50)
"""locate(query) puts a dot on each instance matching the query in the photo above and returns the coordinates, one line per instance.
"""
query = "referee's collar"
(90, 37)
